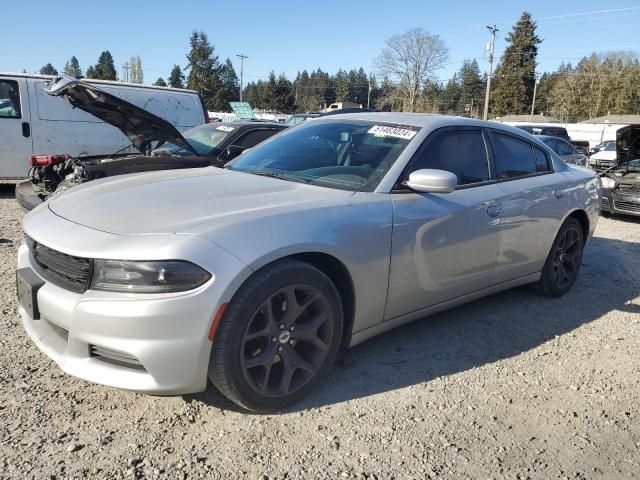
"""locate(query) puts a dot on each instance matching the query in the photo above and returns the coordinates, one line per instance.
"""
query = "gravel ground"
(512, 386)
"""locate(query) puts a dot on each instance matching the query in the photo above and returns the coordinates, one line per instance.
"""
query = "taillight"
(44, 160)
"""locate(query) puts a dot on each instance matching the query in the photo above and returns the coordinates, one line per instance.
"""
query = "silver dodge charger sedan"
(324, 236)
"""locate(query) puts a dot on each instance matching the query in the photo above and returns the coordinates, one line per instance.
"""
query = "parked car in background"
(32, 122)
(325, 235)
(601, 146)
(605, 158)
(297, 118)
(621, 183)
(545, 130)
(565, 150)
(342, 105)
(158, 144)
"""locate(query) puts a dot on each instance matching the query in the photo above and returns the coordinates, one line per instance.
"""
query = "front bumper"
(620, 203)
(151, 345)
(26, 195)
(148, 343)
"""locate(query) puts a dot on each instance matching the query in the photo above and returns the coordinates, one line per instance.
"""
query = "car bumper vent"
(627, 206)
(114, 357)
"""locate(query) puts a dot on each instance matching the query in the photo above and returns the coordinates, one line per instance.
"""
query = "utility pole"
(535, 89)
(369, 95)
(491, 48)
(125, 72)
(241, 56)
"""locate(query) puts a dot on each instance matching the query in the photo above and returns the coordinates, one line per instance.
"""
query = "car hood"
(140, 126)
(177, 202)
(604, 155)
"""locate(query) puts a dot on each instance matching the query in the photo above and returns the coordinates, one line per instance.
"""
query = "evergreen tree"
(160, 82)
(451, 95)
(228, 91)
(471, 88)
(104, 69)
(72, 68)
(515, 74)
(204, 68)
(176, 77)
(48, 69)
(342, 86)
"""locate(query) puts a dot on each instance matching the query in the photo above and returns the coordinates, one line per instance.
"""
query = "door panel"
(15, 128)
(444, 246)
(532, 211)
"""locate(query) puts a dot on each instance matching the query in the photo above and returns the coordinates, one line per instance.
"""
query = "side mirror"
(432, 181)
(231, 152)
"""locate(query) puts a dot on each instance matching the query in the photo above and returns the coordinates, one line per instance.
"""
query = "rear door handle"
(494, 210)
(26, 129)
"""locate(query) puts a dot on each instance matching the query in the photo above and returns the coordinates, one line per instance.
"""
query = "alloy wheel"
(567, 258)
(287, 340)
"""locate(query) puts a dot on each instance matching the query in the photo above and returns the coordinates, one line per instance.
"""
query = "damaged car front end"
(621, 183)
(52, 174)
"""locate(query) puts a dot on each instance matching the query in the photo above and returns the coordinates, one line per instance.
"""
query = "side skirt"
(370, 332)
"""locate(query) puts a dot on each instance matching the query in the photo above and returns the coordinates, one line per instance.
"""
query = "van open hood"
(139, 125)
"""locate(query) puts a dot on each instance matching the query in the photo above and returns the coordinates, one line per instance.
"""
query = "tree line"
(405, 79)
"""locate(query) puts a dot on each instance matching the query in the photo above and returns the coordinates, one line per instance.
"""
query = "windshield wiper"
(278, 175)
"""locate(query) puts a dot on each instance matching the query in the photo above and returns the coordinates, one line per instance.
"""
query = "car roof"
(430, 121)
(552, 137)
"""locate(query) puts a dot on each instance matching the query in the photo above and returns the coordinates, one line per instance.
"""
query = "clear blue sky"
(288, 36)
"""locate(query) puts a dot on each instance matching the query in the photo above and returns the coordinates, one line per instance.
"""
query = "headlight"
(608, 182)
(147, 276)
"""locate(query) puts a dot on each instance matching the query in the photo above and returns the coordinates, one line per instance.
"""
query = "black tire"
(251, 348)
(563, 263)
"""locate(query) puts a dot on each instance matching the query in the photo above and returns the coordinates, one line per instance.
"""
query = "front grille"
(605, 202)
(627, 206)
(629, 187)
(113, 357)
(66, 271)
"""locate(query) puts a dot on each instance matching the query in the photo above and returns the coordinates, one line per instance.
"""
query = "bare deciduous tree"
(411, 59)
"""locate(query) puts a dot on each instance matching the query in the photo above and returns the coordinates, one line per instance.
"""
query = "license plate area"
(27, 286)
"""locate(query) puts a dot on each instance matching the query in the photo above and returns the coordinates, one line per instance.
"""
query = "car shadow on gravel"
(479, 333)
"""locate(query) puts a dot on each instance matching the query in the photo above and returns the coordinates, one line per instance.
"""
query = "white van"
(35, 123)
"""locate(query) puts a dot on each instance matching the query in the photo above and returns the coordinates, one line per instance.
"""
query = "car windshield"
(203, 138)
(348, 155)
(611, 147)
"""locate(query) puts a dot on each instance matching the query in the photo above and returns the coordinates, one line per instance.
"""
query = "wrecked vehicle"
(158, 145)
(621, 183)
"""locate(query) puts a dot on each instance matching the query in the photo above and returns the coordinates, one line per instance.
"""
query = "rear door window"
(9, 99)
(462, 152)
(512, 157)
(542, 160)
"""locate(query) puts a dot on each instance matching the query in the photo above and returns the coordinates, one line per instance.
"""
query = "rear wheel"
(562, 265)
(278, 338)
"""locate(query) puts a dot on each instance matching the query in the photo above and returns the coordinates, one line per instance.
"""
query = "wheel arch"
(582, 217)
(332, 267)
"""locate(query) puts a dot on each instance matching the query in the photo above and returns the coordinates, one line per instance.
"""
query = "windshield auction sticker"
(388, 131)
(225, 128)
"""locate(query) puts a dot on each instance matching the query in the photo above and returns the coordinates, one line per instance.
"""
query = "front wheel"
(278, 338)
(562, 265)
